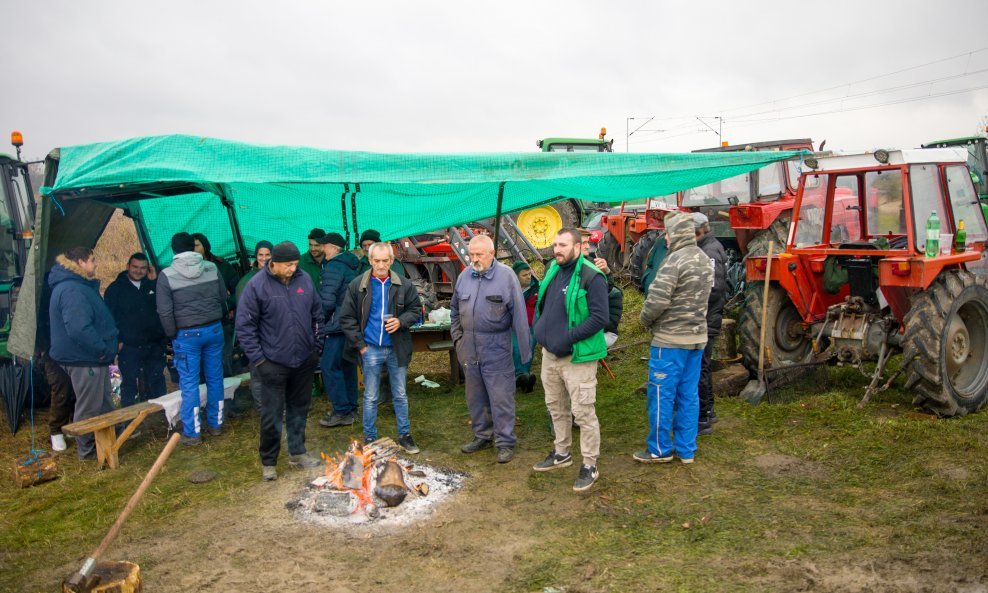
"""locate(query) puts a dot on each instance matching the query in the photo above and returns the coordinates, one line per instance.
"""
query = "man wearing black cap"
(339, 376)
(278, 320)
(191, 301)
(311, 262)
(368, 238)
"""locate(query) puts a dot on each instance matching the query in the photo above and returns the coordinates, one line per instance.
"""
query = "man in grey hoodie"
(191, 301)
(675, 311)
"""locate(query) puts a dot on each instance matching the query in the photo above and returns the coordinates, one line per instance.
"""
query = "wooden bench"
(103, 427)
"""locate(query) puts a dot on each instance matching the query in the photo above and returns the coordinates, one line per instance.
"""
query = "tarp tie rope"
(34, 452)
(54, 200)
(353, 211)
(346, 229)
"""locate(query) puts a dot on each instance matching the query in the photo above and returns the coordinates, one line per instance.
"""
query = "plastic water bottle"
(960, 239)
(933, 235)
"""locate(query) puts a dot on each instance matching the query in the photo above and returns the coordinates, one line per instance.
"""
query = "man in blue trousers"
(675, 312)
(191, 301)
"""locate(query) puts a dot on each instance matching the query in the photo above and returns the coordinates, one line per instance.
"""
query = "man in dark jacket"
(278, 320)
(571, 313)
(339, 376)
(524, 379)
(378, 309)
(132, 300)
(191, 301)
(83, 336)
(715, 315)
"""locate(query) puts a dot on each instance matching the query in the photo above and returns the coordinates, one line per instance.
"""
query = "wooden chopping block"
(32, 470)
(729, 381)
(114, 577)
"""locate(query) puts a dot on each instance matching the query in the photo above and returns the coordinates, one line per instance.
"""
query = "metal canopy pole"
(238, 238)
(497, 217)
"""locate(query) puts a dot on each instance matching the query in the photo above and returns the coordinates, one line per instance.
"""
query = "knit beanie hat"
(519, 266)
(182, 242)
(261, 245)
(334, 238)
(285, 251)
(370, 235)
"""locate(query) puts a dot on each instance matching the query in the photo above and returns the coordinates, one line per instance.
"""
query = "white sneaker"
(58, 442)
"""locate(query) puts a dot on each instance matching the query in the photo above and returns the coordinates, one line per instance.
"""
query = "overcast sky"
(471, 76)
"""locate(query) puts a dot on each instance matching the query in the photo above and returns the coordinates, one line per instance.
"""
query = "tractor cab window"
(8, 251)
(845, 221)
(771, 183)
(792, 174)
(964, 203)
(720, 193)
(884, 209)
(576, 148)
(924, 183)
(809, 228)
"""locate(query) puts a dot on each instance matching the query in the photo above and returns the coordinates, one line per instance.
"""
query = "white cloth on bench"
(172, 402)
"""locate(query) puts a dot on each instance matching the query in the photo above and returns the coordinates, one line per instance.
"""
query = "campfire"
(371, 483)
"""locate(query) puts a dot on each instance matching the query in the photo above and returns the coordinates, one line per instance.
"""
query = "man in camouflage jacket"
(675, 311)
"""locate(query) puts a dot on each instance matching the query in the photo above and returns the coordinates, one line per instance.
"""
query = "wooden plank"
(441, 345)
(84, 427)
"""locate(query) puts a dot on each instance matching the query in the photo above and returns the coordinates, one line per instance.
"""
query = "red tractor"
(745, 212)
(856, 284)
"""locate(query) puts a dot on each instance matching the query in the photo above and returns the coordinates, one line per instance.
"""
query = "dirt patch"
(787, 466)
(917, 575)
(468, 544)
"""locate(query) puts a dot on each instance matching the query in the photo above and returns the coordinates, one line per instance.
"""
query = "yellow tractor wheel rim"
(540, 225)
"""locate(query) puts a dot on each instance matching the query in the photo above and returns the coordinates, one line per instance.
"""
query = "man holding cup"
(379, 308)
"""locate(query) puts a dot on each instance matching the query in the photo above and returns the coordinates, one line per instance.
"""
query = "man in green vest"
(570, 316)
(311, 262)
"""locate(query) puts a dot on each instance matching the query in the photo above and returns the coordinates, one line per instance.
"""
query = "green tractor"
(540, 224)
(17, 210)
(977, 162)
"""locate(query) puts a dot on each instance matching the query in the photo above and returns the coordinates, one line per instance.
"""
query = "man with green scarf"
(571, 313)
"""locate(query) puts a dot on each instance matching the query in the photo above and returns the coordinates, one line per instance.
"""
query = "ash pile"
(371, 485)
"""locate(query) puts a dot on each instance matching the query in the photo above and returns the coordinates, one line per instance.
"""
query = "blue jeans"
(673, 400)
(192, 347)
(520, 368)
(373, 360)
(339, 376)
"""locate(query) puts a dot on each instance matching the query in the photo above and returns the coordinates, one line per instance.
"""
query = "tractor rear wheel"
(609, 249)
(638, 260)
(540, 224)
(786, 340)
(945, 346)
(778, 232)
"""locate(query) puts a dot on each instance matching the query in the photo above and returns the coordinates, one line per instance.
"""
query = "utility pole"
(628, 134)
(720, 125)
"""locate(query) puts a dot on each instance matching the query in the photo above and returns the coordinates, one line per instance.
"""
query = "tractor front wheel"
(786, 340)
(945, 346)
(609, 249)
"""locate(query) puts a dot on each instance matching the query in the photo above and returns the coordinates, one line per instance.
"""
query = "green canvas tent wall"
(239, 193)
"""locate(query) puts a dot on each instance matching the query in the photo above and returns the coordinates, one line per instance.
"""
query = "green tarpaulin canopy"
(280, 192)
(237, 194)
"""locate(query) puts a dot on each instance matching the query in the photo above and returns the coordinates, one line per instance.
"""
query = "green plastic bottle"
(960, 239)
(933, 235)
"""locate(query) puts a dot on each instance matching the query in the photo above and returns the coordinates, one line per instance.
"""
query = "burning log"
(391, 487)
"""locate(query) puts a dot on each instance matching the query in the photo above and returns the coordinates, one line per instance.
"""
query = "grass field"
(806, 493)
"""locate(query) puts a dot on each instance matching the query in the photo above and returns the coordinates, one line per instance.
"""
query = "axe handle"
(137, 496)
